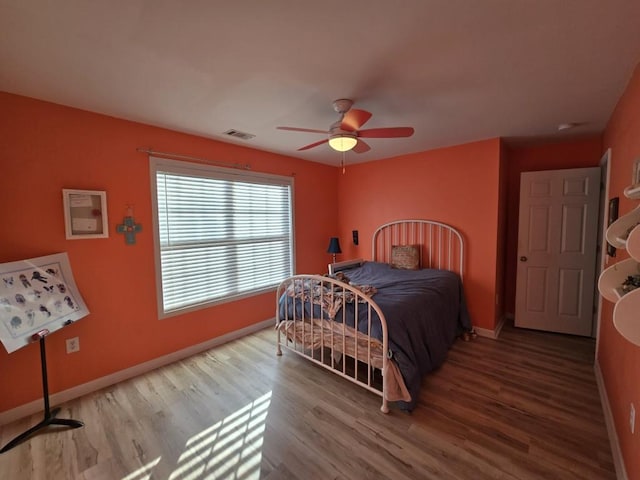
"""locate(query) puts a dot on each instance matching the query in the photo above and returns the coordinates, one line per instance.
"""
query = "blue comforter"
(425, 311)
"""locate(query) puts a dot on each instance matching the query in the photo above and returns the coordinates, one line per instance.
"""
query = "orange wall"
(584, 152)
(45, 148)
(618, 358)
(457, 185)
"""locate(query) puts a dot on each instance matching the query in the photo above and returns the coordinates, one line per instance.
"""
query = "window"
(220, 234)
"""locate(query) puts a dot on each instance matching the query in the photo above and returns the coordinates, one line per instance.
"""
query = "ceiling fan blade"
(296, 129)
(311, 145)
(361, 147)
(354, 119)
(391, 132)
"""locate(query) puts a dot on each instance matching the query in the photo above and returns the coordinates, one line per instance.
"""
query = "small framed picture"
(85, 214)
(635, 179)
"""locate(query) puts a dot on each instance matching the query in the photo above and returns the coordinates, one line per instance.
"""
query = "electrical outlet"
(73, 344)
(632, 418)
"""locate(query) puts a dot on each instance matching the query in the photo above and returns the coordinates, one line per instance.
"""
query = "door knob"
(523, 259)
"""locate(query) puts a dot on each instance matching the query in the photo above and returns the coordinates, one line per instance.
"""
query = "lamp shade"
(343, 142)
(334, 246)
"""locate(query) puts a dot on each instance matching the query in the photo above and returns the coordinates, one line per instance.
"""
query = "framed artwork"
(612, 217)
(85, 214)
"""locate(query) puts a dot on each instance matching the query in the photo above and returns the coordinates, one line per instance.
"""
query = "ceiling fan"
(345, 134)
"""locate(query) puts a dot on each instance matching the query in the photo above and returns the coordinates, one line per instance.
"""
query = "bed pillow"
(406, 257)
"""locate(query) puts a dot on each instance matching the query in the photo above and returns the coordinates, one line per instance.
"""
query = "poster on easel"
(37, 294)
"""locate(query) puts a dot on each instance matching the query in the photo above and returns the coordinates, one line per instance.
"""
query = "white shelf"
(626, 318)
(632, 191)
(610, 281)
(617, 231)
(633, 244)
(624, 233)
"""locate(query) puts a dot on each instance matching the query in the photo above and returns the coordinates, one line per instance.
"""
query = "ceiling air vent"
(239, 134)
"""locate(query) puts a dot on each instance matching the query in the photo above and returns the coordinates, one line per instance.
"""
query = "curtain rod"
(177, 156)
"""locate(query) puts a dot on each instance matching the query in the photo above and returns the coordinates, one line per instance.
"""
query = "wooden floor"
(523, 407)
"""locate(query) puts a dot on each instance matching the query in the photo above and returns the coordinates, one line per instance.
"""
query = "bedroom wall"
(619, 359)
(45, 148)
(578, 153)
(456, 185)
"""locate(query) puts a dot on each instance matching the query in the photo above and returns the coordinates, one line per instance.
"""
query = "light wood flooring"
(523, 407)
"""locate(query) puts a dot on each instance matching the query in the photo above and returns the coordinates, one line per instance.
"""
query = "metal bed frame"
(332, 343)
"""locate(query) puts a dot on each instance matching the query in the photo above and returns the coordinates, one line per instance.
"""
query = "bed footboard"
(339, 327)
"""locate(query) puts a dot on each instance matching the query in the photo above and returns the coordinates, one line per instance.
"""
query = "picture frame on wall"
(85, 214)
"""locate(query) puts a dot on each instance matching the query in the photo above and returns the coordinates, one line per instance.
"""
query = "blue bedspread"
(425, 311)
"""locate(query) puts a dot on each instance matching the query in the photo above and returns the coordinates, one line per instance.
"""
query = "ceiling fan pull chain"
(343, 168)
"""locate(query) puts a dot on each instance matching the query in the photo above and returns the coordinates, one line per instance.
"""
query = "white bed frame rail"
(441, 245)
(334, 345)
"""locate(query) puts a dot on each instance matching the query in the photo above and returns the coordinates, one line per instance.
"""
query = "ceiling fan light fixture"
(342, 142)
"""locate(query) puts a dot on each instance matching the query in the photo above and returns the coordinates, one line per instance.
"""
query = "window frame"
(156, 165)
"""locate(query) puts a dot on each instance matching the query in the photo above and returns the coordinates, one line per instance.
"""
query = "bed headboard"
(441, 246)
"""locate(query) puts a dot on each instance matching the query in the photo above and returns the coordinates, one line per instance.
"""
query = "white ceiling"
(455, 70)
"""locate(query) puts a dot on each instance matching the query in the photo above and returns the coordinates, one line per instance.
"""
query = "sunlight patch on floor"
(231, 448)
(144, 472)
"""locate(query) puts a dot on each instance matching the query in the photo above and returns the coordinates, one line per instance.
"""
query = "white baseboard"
(493, 334)
(35, 406)
(618, 460)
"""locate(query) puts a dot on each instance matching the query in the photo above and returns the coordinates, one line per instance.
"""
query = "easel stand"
(49, 415)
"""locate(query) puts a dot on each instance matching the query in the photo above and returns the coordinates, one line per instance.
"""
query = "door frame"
(605, 166)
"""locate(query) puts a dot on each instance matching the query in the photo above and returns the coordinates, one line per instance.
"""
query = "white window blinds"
(220, 234)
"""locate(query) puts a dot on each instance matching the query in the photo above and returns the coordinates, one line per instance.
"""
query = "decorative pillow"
(406, 257)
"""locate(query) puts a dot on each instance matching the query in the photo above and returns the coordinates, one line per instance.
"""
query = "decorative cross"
(129, 227)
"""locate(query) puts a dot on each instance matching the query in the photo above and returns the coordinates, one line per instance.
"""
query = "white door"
(557, 239)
